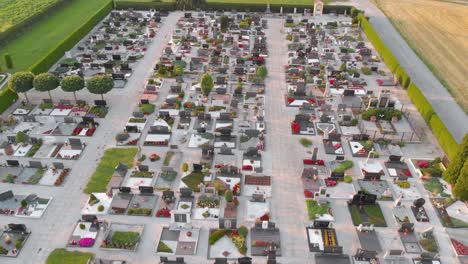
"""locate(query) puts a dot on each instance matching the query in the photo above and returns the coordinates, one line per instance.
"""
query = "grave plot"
(12, 239)
(409, 239)
(333, 147)
(371, 170)
(428, 242)
(171, 105)
(298, 95)
(30, 176)
(361, 149)
(225, 139)
(368, 238)
(319, 210)
(54, 176)
(364, 209)
(178, 241)
(32, 206)
(253, 183)
(418, 210)
(165, 179)
(127, 139)
(136, 124)
(227, 243)
(405, 189)
(185, 118)
(196, 177)
(122, 237)
(143, 204)
(84, 234)
(451, 214)
(69, 150)
(401, 214)
(226, 178)
(303, 125)
(263, 236)
(379, 188)
(321, 235)
(257, 207)
(207, 205)
(121, 201)
(138, 177)
(9, 124)
(311, 181)
(23, 109)
(252, 138)
(201, 140)
(36, 125)
(10, 174)
(99, 110)
(159, 133)
(430, 171)
(97, 204)
(169, 204)
(252, 160)
(395, 166)
(203, 123)
(459, 241)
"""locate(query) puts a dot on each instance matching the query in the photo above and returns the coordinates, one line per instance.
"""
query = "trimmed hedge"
(385, 53)
(213, 6)
(7, 98)
(50, 59)
(420, 101)
(403, 77)
(443, 135)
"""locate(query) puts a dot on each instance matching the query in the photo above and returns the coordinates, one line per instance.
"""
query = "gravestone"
(35, 164)
(143, 167)
(146, 189)
(58, 165)
(75, 143)
(125, 189)
(197, 167)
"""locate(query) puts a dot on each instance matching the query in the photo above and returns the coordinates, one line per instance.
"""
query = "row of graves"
(23, 205)
(112, 48)
(224, 130)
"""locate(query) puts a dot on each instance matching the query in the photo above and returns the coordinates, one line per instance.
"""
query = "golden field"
(438, 32)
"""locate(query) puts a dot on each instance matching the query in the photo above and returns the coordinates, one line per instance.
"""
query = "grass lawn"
(374, 215)
(434, 186)
(193, 180)
(355, 215)
(458, 223)
(433, 29)
(313, 208)
(37, 42)
(63, 256)
(106, 167)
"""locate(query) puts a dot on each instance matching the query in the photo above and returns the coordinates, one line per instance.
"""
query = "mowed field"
(44, 36)
(438, 32)
(285, 2)
(13, 12)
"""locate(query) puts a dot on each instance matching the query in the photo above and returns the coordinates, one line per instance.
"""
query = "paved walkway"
(453, 116)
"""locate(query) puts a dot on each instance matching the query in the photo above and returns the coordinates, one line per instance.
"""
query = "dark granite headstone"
(58, 165)
(35, 164)
(75, 143)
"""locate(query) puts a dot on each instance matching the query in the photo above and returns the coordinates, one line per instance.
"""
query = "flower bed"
(142, 174)
(209, 202)
(163, 212)
(62, 176)
(460, 248)
(86, 242)
(238, 237)
(139, 211)
(313, 162)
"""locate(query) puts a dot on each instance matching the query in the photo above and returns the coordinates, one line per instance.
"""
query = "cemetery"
(191, 145)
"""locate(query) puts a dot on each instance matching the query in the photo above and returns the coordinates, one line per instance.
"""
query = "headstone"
(58, 165)
(75, 143)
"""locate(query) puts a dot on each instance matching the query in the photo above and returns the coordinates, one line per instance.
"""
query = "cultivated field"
(13, 12)
(45, 35)
(436, 30)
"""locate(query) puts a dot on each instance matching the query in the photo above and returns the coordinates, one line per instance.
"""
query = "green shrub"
(345, 165)
(216, 235)
(387, 114)
(82, 226)
(443, 135)
(456, 164)
(366, 70)
(100, 208)
(125, 237)
(243, 231)
(184, 167)
(8, 61)
(348, 179)
(7, 98)
(228, 196)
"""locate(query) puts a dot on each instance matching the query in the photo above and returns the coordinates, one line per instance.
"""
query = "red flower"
(308, 194)
(308, 162)
(247, 167)
(265, 217)
(295, 127)
(312, 101)
(290, 100)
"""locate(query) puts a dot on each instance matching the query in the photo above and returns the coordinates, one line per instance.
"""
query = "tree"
(461, 187)
(100, 84)
(72, 83)
(46, 82)
(21, 138)
(454, 169)
(206, 84)
(262, 72)
(224, 23)
(8, 61)
(21, 82)
(178, 70)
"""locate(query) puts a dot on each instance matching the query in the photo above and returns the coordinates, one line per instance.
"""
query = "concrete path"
(453, 116)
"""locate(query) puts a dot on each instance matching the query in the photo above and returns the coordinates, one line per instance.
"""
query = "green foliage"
(193, 180)
(147, 108)
(45, 82)
(8, 61)
(178, 70)
(106, 168)
(53, 56)
(355, 215)
(21, 82)
(402, 77)
(243, 231)
(206, 84)
(125, 237)
(72, 83)
(228, 196)
(374, 215)
(305, 142)
(63, 256)
(100, 208)
(461, 187)
(216, 235)
(420, 101)
(162, 247)
(168, 158)
(100, 84)
(224, 21)
(21, 138)
(24, 203)
(314, 209)
(456, 165)
(7, 98)
(344, 165)
(443, 135)
(184, 167)
(348, 179)
(366, 70)
(262, 72)
(380, 113)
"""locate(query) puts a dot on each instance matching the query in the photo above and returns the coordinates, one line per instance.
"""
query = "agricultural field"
(13, 12)
(290, 2)
(48, 33)
(436, 30)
